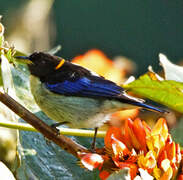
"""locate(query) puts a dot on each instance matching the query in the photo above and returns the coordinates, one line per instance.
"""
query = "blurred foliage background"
(137, 29)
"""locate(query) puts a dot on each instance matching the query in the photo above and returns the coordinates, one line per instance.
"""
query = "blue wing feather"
(86, 87)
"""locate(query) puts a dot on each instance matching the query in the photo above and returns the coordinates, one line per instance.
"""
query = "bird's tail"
(149, 107)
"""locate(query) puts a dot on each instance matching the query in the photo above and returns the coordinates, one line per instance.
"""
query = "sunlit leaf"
(167, 92)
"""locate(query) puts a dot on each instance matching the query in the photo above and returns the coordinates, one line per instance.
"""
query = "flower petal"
(165, 164)
(160, 128)
(116, 131)
(139, 131)
(157, 138)
(119, 148)
(147, 162)
(145, 175)
(134, 140)
(167, 175)
(180, 177)
(92, 161)
(104, 175)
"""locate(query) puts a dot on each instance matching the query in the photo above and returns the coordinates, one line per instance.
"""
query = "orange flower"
(145, 151)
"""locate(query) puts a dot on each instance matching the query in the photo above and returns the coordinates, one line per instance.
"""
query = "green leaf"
(166, 92)
(120, 175)
(125, 175)
(177, 132)
(50, 161)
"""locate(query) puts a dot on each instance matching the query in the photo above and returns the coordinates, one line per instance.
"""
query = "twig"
(64, 142)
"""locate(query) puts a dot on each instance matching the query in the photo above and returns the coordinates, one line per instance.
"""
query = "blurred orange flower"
(98, 62)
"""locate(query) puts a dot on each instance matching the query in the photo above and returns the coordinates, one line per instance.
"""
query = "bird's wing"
(78, 81)
(98, 88)
(92, 86)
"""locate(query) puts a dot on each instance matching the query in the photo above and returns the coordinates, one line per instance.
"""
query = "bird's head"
(42, 64)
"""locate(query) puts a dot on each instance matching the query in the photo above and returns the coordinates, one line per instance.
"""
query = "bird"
(71, 94)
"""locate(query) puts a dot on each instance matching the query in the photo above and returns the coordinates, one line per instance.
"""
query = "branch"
(64, 142)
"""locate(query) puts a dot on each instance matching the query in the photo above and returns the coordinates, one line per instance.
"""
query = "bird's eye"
(73, 75)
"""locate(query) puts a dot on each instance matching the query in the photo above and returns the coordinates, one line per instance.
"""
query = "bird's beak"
(25, 59)
(22, 57)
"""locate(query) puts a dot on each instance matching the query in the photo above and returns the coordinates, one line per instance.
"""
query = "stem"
(63, 131)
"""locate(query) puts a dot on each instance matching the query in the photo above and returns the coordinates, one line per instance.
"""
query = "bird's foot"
(93, 145)
(93, 148)
(55, 125)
